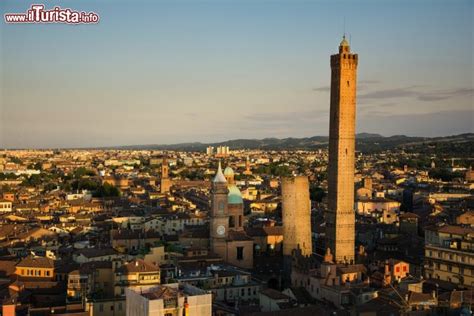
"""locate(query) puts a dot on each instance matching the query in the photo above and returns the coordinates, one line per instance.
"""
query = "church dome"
(234, 196)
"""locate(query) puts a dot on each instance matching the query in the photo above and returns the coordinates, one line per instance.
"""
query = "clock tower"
(219, 214)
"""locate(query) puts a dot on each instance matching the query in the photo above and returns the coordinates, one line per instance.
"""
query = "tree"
(85, 184)
(107, 190)
(82, 171)
(316, 193)
(274, 169)
(444, 174)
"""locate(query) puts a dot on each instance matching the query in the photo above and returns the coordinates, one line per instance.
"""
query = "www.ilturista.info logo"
(37, 14)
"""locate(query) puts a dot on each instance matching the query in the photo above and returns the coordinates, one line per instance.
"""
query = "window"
(240, 253)
(231, 221)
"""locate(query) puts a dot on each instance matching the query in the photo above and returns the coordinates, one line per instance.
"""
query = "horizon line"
(121, 147)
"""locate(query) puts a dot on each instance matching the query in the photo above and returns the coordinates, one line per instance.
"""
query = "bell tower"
(165, 180)
(219, 213)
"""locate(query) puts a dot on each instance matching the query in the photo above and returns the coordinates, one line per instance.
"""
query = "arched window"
(221, 206)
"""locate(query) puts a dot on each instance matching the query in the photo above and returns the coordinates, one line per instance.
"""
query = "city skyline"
(237, 158)
(208, 72)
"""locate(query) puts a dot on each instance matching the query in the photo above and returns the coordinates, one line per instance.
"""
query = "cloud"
(365, 108)
(417, 92)
(322, 89)
(310, 123)
(390, 93)
(191, 114)
(361, 86)
(369, 81)
(446, 94)
(440, 123)
(286, 117)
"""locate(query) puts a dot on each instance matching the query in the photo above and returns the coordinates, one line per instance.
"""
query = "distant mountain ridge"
(365, 142)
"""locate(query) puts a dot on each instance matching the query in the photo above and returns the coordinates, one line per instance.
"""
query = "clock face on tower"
(220, 230)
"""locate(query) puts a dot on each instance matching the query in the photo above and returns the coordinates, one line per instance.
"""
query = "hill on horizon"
(365, 142)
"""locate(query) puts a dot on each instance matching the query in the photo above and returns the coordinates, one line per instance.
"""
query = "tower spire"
(219, 175)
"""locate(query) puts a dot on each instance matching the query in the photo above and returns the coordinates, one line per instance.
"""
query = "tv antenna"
(344, 27)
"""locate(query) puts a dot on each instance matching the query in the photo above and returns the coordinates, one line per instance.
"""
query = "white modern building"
(171, 300)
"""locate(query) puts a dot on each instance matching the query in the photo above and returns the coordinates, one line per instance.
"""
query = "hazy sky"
(177, 71)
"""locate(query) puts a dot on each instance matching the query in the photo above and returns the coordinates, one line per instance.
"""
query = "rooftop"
(36, 262)
(169, 291)
(138, 265)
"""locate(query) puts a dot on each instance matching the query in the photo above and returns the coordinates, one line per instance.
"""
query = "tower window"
(348, 83)
(221, 206)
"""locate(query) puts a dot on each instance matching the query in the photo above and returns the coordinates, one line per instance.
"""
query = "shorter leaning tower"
(296, 209)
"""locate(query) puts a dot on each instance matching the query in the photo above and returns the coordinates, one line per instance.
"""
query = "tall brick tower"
(340, 226)
(296, 211)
